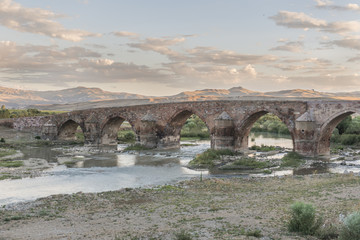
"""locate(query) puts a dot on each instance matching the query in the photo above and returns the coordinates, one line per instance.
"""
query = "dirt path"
(208, 209)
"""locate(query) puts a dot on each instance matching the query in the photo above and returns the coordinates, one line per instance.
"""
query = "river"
(106, 171)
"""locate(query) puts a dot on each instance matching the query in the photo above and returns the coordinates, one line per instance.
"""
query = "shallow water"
(105, 171)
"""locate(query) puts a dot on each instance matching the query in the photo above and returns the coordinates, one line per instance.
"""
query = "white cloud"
(297, 20)
(249, 69)
(37, 21)
(159, 45)
(348, 42)
(303, 21)
(330, 5)
(290, 47)
(126, 34)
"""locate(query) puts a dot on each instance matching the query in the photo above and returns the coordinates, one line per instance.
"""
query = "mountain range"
(82, 97)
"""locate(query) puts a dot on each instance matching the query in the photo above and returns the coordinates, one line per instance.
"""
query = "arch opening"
(117, 130)
(185, 126)
(265, 128)
(71, 131)
(343, 129)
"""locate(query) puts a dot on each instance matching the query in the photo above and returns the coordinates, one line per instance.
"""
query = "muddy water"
(96, 171)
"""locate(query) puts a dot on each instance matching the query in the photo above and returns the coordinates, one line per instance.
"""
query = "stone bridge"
(310, 122)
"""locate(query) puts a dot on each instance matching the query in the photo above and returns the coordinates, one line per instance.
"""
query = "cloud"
(348, 42)
(51, 65)
(329, 5)
(297, 20)
(159, 45)
(126, 34)
(290, 47)
(303, 21)
(37, 21)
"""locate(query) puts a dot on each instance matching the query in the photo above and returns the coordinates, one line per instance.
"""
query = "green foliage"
(327, 232)
(7, 152)
(303, 219)
(194, 127)
(251, 163)
(16, 113)
(254, 233)
(206, 159)
(270, 123)
(183, 235)
(11, 164)
(347, 132)
(344, 124)
(351, 227)
(80, 136)
(263, 148)
(126, 136)
(292, 159)
(136, 147)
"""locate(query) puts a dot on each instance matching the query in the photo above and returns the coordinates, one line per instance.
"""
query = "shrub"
(263, 148)
(207, 158)
(126, 136)
(351, 227)
(303, 219)
(183, 235)
(292, 159)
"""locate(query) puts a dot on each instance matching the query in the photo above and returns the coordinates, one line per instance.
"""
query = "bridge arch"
(243, 130)
(67, 130)
(110, 127)
(170, 135)
(326, 129)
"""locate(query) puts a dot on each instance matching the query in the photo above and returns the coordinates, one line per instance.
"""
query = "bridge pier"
(304, 135)
(49, 131)
(148, 133)
(223, 137)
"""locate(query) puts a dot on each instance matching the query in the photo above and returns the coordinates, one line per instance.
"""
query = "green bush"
(292, 159)
(351, 227)
(207, 158)
(183, 235)
(126, 136)
(303, 219)
(263, 148)
(194, 127)
(270, 123)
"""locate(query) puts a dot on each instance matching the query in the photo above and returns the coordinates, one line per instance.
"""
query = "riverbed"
(98, 170)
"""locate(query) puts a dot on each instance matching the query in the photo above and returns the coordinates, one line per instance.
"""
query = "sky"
(163, 47)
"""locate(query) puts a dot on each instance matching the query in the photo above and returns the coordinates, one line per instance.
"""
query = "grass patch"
(7, 152)
(69, 164)
(206, 159)
(11, 164)
(136, 147)
(292, 159)
(8, 176)
(263, 148)
(251, 163)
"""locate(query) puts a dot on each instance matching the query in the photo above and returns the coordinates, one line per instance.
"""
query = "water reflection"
(96, 172)
(270, 139)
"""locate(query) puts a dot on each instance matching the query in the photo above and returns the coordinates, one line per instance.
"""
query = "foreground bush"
(303, 219)
(351, 227)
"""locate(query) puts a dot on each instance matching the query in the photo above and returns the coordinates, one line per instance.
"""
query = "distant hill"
(15, 98)
(82, 97)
